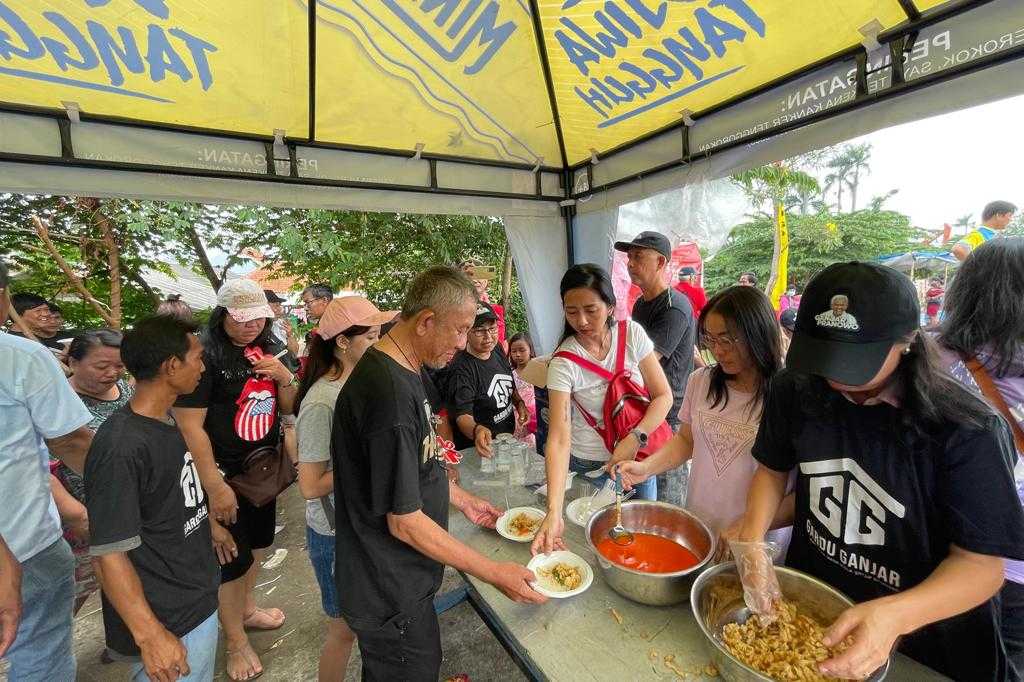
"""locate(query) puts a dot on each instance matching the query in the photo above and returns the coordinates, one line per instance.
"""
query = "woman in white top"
(591, 332)
(348, 327)
(721, 412)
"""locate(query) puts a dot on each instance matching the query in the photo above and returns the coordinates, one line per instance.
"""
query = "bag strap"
(989, 390)
(587, 417)
(620, 352)
(585, 364)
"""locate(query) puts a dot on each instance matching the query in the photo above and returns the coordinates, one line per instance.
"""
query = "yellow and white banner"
(624, 68)
(781, 266)
(233, 65)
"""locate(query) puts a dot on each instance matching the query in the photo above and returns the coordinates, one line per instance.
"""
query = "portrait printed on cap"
(837, 317)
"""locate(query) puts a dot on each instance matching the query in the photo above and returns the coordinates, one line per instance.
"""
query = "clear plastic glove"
(761, 590)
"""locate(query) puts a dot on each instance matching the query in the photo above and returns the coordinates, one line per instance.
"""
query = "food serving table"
(597, 635)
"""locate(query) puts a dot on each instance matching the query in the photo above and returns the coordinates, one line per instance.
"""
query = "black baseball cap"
(788, 318)
(686, 272)
(484, 314)
(876, 305)
(648, 240)
(272, 296)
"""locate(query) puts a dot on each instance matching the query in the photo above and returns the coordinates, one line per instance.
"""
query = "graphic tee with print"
(386, 460)
(878, 506)
(241, 408)
(722, 465)
(144, 498)
(313, 432)
(590, 389)
(483, 389)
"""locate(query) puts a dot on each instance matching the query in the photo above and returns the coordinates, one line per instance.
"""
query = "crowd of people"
(832, 433)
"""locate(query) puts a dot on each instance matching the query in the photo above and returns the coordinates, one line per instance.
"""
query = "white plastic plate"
(547, 586)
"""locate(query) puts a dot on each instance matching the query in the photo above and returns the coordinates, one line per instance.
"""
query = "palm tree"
(858, 157)
(965, 221)
(773, 184)
(847, 165)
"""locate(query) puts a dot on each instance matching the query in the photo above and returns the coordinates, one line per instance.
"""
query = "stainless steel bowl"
(656, 518)
(717, 600)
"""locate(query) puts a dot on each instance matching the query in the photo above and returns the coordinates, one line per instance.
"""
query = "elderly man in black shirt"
(667, 317)
(392, 492)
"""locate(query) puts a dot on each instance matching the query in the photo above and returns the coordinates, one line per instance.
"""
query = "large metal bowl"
(656, 518)
(717, 600)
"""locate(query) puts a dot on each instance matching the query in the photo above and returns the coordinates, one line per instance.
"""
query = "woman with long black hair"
(982, 338)
(347, 328)
(592, 334)
(234, 412)
(721, 411)
(904, 487)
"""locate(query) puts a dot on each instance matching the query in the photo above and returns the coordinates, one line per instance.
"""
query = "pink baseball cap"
(351, 311)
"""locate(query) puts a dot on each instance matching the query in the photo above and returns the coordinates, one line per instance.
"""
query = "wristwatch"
(640, 436)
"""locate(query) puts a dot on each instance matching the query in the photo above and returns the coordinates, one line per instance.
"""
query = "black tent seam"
(542, 49)
(311, 46)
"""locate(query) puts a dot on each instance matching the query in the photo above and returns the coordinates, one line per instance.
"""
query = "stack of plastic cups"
(503, 453)
(517, 470)
(487, 464)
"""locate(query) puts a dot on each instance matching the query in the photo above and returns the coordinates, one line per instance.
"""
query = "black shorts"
(253, 530)
(406, 648)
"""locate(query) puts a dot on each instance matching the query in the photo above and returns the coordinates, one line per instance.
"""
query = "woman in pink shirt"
(721, 411)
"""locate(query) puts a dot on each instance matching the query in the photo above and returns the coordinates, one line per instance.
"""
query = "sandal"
(264, 619)
(244, 653)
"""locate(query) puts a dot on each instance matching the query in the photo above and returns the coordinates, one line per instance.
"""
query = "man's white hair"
(840, 297)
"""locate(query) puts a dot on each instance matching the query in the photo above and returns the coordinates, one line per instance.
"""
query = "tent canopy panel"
(214, 65)
(625, 68)
(460, 80)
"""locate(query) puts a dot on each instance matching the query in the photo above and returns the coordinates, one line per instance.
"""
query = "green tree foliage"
(815, 242)
(380, 252)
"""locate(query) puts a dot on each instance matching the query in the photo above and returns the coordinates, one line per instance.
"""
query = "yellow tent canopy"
(500, 107)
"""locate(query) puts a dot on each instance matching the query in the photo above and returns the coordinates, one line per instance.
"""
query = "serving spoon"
(618, 534)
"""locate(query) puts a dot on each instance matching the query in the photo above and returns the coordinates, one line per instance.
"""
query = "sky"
(951, 165)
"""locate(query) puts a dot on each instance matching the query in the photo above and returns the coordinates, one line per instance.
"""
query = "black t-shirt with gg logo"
(482, 389)
(144, 498)
(386, 460)
(878, 506)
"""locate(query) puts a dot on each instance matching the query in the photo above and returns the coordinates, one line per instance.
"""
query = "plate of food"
(519, 523)
(560, 574)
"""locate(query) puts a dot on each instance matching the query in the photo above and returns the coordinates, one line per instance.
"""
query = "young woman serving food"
(721, 411)
(576, 392)
(904, 483)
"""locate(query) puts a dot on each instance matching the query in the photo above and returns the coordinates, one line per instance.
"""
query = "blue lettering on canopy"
(109, 50)
(484, 29)
(157, 8)
(684, 54)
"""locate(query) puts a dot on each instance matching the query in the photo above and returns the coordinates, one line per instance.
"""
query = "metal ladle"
(618, 534)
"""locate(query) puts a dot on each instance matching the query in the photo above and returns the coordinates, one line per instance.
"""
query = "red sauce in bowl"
(649, 554)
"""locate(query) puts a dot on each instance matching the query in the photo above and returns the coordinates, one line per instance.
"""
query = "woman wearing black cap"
(904, 497)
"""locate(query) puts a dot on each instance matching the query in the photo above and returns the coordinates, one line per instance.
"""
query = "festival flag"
(781, 276)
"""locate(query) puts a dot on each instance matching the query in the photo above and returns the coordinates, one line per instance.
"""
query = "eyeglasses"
(484, 333)
(725, 342)
(310, 301)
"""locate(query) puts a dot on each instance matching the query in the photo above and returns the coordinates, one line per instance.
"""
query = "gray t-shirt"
(313, 430)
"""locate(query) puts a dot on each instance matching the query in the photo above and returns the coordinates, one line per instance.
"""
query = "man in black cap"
(481, 392)
(689, 287)
(667, 317)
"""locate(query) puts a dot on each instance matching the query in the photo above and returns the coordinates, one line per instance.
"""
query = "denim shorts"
(201, 646)
(321, 555)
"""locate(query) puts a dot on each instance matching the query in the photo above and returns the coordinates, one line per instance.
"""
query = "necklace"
(414, 365)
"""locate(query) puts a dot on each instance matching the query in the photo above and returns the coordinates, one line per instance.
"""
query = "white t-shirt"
(590, 389)
(36, 402)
